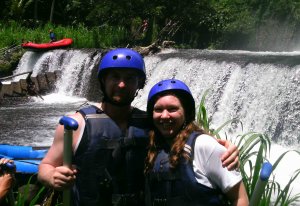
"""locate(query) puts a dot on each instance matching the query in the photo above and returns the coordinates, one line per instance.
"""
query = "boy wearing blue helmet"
(110, 143)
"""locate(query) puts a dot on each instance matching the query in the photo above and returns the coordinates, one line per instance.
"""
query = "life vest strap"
(126, 199)
(173, 201)
(164, 176)
(123, 142)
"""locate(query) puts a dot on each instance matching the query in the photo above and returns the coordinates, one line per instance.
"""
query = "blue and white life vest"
(176, 187)
(110, 164)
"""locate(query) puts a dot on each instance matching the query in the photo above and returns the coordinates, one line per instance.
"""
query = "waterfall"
(263, 95)
(261, 89)
(76, 67)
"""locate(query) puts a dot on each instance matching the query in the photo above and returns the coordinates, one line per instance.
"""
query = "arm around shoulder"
(230, 159)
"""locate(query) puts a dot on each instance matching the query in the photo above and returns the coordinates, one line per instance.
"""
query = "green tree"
(18, 8)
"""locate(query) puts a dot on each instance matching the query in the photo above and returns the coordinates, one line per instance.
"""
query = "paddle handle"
(69, 126)
(67, 158)
(8, 166)
(11, 197)
(261, 183)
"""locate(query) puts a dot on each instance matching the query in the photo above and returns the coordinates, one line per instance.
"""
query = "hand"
(230, 158)
(63, 178)
(6, 183)
(4, 169)
(6, 179)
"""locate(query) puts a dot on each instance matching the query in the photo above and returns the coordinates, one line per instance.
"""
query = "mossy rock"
(5, 68)
(10, 61)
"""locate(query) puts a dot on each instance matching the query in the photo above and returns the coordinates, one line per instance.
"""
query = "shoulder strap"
(190, 144)
(139, 118)
(90, 109)
(138, 114)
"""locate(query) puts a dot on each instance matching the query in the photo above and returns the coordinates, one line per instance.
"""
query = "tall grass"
(22, 198)
(254, 151)
(32, 194)
(13, 33)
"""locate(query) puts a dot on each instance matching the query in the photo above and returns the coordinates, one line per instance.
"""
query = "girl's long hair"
(156, 143)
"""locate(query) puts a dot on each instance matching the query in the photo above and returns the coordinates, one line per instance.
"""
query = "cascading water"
(261, 89)
(264, 96)
(76, 67)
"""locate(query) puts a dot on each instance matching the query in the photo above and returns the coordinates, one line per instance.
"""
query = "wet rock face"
(31, 86)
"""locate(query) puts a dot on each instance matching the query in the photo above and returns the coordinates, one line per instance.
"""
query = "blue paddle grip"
(69, 123)
(8, 166)
(266, 171)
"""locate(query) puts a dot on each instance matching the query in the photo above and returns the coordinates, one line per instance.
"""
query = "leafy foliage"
(221, 24)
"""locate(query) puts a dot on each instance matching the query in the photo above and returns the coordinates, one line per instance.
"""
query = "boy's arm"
(230, 158)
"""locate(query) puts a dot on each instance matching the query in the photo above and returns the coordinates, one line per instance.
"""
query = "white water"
(58, 98)
(265, 96)
(76, 67)
(286, 168)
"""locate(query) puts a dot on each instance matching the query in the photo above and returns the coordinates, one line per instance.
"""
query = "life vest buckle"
(127, 142)
(124, 199)
(160, 202)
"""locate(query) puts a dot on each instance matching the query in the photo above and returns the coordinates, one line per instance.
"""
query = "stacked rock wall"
(32, 86)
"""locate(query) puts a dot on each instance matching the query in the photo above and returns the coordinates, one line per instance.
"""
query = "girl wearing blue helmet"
(183, 165)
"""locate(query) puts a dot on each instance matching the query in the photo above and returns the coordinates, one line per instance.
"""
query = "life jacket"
(110, 164)
(52, 36)
(176, 187)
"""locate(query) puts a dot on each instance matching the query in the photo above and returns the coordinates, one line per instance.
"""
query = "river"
(262, 89)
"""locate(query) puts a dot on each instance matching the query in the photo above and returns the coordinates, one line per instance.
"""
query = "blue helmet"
(123, 58)
(176, 87)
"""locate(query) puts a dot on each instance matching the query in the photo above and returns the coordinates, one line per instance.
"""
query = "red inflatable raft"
(47, 46)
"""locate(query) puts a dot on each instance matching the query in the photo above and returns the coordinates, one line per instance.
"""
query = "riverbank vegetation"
(14, 33)
(227, 24)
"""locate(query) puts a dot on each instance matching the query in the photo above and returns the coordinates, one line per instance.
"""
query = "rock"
(151, 49)
(168, 44)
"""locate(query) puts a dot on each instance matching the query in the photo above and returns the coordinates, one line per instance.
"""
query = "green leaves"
(202, 118)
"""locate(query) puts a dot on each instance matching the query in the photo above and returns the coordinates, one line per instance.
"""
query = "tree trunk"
(35, 10)
(52, 10)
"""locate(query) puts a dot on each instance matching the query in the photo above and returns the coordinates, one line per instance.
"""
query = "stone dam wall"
(31, 86)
